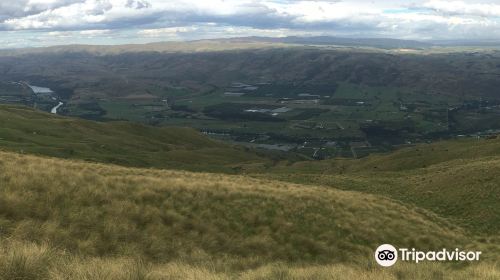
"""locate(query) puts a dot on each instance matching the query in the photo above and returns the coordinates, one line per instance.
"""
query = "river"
(54, 110)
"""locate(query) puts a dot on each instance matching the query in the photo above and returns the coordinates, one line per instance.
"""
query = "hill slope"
(420, 175)
(103, 211)
(80, 73)
(25, 130)
(455, 179)
(63, 219)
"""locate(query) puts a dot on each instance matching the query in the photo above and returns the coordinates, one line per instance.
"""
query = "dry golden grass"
(465, 191)
(63, 219)
(28, 261)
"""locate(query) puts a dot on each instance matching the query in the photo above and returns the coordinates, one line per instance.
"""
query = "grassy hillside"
(28, 131)
(216, 213)
(105, 217)
(68, 219)
(456, 179)
(418, 175)
(425, 155)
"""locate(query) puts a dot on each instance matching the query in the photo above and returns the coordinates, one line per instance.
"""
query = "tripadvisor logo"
(387, 255)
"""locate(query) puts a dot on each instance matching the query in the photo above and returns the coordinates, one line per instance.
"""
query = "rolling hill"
(26, 130)
(456, 179)
(62, 219)
(78, 219)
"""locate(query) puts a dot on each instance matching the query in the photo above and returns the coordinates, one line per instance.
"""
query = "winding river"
(54, 110)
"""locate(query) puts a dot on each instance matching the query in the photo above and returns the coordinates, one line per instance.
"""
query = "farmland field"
(328, 116)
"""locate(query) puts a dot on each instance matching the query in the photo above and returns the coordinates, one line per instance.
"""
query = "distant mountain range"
(225, 44)
(384, 43)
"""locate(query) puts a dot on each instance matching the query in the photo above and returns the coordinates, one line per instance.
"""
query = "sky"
(35, 23)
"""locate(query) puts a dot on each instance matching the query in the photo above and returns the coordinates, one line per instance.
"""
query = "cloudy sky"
(30, 23)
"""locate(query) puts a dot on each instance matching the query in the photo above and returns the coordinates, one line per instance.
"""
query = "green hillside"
(456, 179)
(25, 130)
(425, 155)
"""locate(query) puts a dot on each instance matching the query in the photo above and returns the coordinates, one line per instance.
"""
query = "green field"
(342, 116)
(268, 115)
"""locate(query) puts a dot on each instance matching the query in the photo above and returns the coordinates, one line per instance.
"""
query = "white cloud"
(166, 32)
(192, 19)
(464, 8)
(98, 32)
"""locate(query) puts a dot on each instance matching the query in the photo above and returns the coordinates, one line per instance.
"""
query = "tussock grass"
(100, 210)
(464, 191)
(42, 262)
(22, 261)
(30, 261)
(62, 219)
